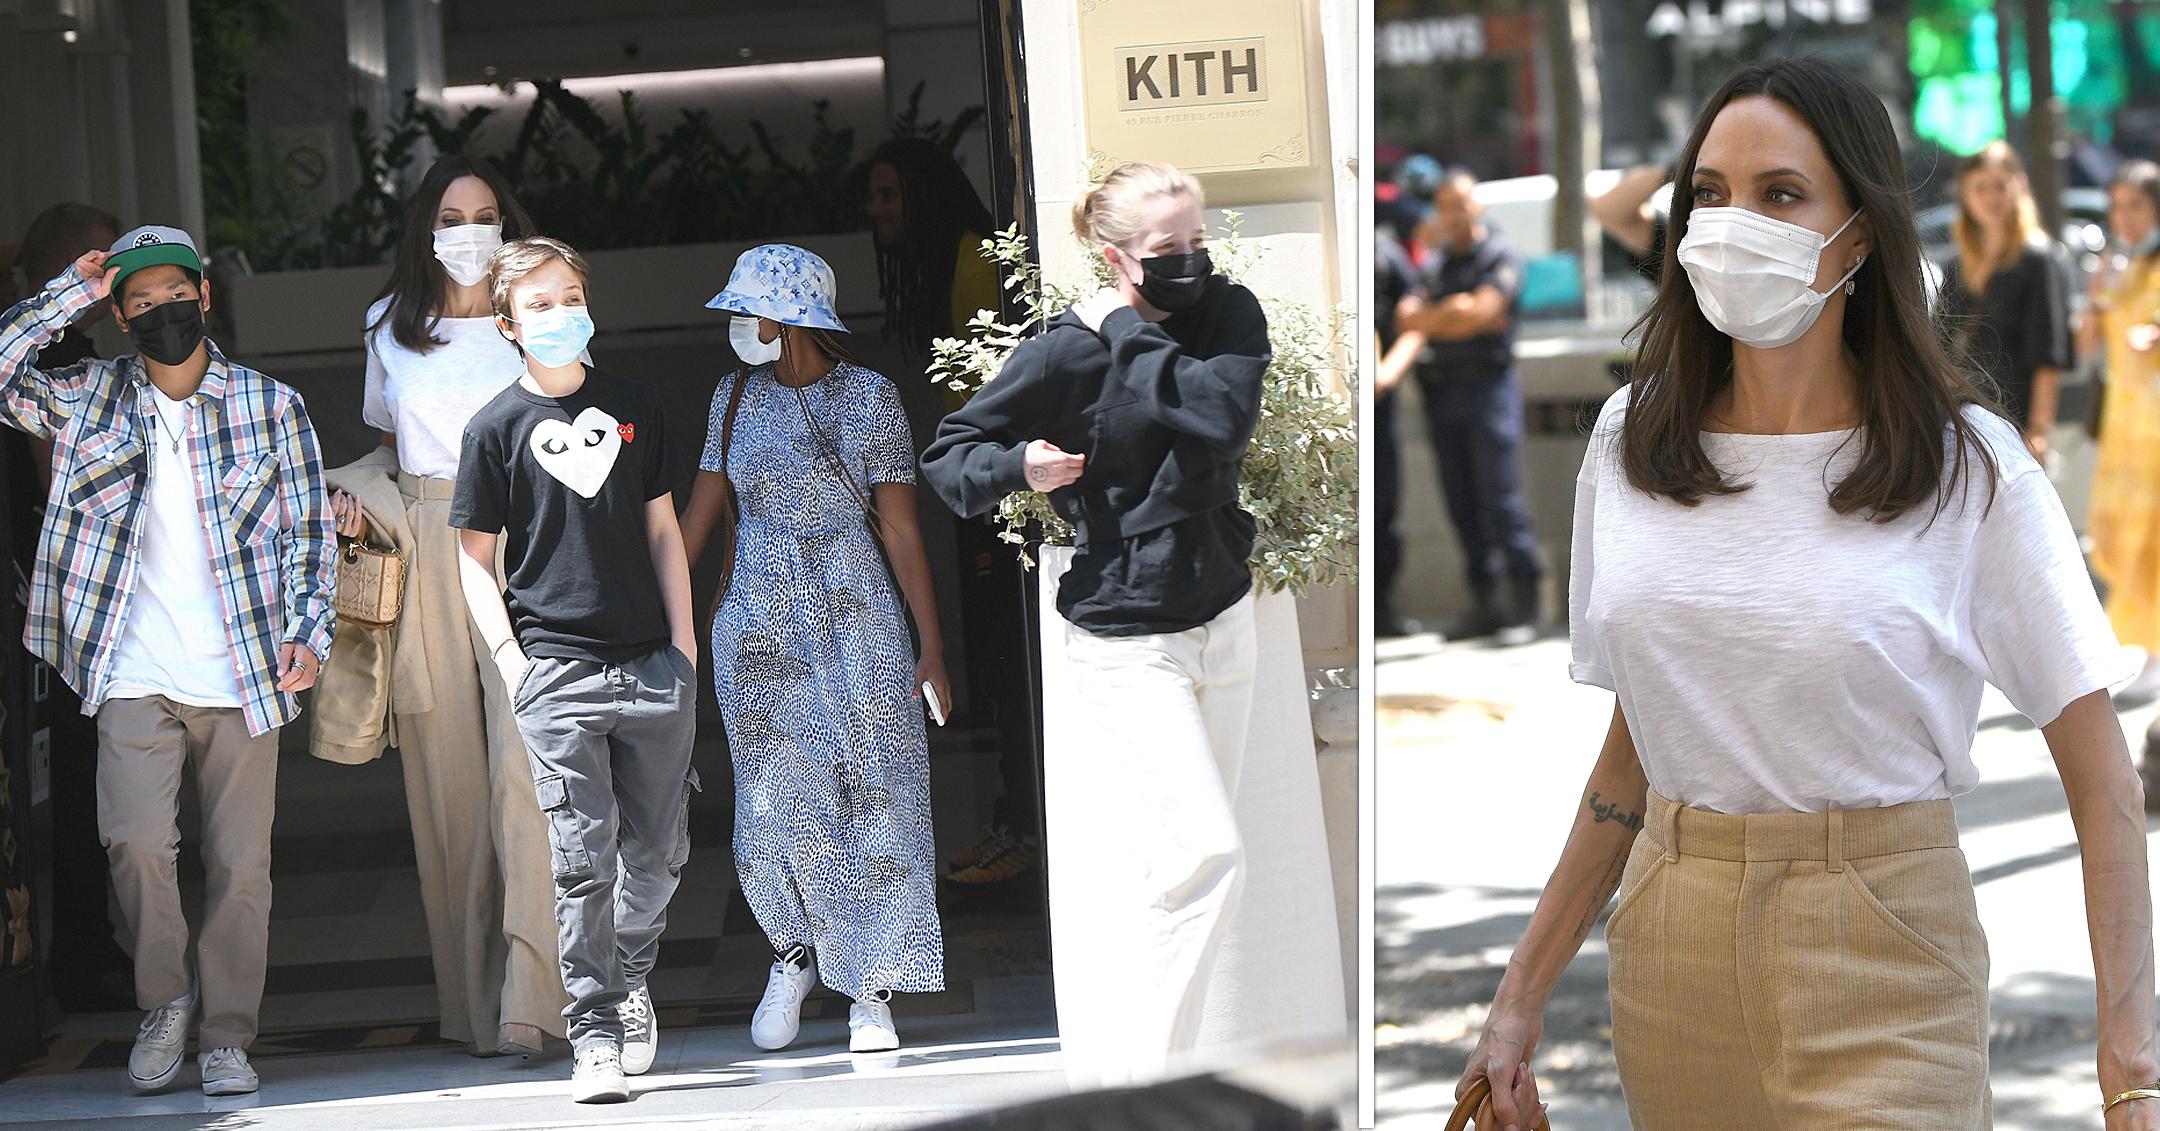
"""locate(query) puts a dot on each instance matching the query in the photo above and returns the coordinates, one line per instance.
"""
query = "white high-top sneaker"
(598, 1076)
(640, 1033)
(161, 1045)
(779, 1013)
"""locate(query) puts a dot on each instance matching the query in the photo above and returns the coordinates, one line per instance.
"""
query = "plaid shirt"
(259, 488)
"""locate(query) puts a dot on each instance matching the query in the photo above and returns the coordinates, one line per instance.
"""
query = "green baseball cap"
(149, 246)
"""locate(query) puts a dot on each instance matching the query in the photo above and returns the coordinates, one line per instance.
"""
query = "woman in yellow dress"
(2124, 319)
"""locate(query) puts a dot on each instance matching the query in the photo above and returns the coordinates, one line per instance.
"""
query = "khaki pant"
(1816, 971)
(142, 746)
(478, 834)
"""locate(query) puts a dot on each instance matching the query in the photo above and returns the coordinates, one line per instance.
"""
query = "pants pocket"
(1918, 899)
(569, 857)
(1645, 859)
(681, 855)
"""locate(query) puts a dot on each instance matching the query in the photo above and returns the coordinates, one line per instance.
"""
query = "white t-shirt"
(1773, 655)
(174, 643)
(427, 398)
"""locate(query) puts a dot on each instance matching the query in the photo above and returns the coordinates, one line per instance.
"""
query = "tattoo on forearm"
(1601, 895)
(1604, 811)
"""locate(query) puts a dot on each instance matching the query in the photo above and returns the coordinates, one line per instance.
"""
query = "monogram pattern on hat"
(785, 283)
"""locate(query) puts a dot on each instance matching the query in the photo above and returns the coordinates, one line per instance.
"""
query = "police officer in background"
(1473, 407)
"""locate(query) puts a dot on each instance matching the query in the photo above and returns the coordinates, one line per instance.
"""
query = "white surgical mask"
(464, 249)
(1754, 276)
(742, 333)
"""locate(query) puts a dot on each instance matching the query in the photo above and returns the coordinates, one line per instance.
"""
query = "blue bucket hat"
(785, 283)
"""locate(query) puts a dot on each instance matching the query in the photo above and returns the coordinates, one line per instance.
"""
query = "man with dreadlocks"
(929, 226)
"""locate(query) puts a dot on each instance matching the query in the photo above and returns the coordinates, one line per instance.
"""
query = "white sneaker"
(226, 1072)
(870, 1027)
(598, 1077)
(640, 1033)
(160, 1045)
(779, 1013)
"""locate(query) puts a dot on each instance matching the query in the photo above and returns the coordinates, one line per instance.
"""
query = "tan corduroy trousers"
(1800, 972)
(478, 833)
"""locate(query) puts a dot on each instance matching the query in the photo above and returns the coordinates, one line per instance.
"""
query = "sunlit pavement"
(1004, 1052)
(1483, 754)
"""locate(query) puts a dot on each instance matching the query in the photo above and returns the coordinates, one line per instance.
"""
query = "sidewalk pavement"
(1483, 753)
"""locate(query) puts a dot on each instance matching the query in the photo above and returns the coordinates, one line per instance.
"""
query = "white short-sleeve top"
(1772, 655)
(428, 398)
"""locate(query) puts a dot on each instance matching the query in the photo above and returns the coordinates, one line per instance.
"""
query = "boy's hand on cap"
(91, 266)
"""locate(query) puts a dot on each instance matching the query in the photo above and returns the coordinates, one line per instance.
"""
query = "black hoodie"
(1163, 412)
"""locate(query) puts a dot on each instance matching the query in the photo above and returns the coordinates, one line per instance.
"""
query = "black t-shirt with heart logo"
(565, 480)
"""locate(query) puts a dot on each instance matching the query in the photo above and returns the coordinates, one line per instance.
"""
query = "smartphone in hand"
(937, 709)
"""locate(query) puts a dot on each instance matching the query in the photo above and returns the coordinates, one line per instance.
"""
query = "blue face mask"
(556, 336)
(2146, 246)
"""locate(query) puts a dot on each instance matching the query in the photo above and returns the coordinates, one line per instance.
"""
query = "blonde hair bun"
(1109, 212)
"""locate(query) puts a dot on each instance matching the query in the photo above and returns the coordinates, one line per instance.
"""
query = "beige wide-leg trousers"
(1800, 971)
(478, 833)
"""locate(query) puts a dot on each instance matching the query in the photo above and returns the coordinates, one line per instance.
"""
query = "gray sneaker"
(226, 1072)
(598, 1077)
(160, 1045)
(640, 1033)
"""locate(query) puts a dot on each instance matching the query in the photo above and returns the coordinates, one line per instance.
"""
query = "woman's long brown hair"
(1911, 394)
(416, 285)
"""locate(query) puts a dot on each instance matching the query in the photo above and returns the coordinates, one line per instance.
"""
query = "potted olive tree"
(1281, 961)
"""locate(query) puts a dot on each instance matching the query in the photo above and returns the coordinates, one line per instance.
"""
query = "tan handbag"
(370, 584)
(1477, 1102)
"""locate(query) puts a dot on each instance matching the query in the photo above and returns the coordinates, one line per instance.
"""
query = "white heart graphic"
(579, 453)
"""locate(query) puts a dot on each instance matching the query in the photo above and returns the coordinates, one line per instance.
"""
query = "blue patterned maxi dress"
(816, 680)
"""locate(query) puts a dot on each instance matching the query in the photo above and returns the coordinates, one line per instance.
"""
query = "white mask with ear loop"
(464, 249)
(742, 333)
(1754, 276)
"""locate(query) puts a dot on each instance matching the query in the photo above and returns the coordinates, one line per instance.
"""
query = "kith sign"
(1211, 86)
(1194, 74)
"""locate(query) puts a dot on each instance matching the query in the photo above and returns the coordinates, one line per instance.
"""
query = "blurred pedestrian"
(2004, 294)
(2119, 324)
(1632, 220)
(1464, 307)
(1800, 553)
(91, 973)
(1396, 353)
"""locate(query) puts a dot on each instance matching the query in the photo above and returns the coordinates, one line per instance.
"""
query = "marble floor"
(1001, 1050)
(348, 1038)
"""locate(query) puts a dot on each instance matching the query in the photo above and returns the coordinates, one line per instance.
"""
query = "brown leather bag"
(1477, 1102)
(730, 512)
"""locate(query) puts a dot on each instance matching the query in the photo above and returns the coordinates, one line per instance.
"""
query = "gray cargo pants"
(610, 752)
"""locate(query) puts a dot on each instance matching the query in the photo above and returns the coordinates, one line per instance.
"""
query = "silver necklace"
(158, 410)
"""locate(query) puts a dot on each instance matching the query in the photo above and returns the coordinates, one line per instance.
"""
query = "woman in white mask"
(1803, 542)
(434, 358)
(821, 690)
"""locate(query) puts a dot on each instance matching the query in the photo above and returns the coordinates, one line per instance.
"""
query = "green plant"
(1300, 475)
(593, 180)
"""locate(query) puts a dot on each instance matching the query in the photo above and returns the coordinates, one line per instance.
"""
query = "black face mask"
(1171, 283)
(168, 332)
